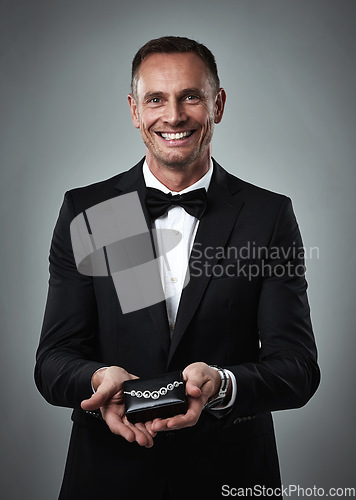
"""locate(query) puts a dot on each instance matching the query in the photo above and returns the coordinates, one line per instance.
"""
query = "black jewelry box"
(159, 397)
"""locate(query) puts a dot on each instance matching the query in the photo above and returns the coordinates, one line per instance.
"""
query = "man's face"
(175, 108)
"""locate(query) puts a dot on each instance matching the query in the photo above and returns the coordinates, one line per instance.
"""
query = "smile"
(175, 137)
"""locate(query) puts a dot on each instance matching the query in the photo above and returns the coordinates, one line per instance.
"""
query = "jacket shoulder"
(249, 192)
(262, 194)
(85, 197)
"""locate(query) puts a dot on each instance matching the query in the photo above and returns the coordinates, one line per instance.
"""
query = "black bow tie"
(193, 202)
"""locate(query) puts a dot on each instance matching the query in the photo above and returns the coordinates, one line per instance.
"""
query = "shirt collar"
(153, 182)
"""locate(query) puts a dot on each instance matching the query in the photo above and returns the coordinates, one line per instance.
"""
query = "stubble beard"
(177, 163)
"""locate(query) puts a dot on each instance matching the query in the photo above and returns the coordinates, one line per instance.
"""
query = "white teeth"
(172, 137)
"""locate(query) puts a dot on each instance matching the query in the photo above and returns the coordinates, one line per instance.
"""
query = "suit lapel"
(214, 230)
(133, 181)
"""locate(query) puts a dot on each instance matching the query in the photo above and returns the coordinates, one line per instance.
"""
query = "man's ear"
(219, 105)
(134, 112)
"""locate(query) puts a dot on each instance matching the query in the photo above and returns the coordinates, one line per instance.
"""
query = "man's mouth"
(171, 136)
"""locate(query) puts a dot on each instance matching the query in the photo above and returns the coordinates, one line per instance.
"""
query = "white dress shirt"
(173, 264)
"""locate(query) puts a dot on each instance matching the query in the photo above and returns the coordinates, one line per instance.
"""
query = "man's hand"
(202, 383)
(109, 397)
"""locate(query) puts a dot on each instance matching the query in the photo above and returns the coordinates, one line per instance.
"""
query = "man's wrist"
(230, 396)
(97, 378)
(223, 394)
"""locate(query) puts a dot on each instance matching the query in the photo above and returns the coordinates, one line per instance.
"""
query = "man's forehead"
(183, 70)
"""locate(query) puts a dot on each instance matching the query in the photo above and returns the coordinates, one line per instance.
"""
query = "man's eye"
(155, 100)
(192, 98)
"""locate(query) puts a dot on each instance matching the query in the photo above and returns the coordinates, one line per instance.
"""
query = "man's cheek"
(146, 136)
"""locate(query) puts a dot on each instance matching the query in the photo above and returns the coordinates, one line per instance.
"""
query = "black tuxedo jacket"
(245, 309)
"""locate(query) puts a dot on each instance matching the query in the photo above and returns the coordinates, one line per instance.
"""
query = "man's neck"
(178, 179)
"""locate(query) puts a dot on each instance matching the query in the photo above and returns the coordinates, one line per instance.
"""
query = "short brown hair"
(170, 45)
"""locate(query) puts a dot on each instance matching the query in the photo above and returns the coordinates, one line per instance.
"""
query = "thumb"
(192, 389)
(104, 392)
(97, 400)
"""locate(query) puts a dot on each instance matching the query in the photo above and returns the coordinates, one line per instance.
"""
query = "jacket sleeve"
(66, 356)
(286, 374)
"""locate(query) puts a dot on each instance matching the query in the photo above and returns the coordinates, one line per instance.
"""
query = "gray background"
(288, 67)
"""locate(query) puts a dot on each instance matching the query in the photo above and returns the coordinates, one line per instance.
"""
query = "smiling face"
(175, 108)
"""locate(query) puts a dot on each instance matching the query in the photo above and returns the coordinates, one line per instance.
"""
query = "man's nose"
(174, 113)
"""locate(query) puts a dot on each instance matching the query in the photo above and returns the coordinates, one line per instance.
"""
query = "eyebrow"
(192, 90)
(151, 94)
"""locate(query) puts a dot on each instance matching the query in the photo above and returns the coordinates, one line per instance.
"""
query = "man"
(244, 310)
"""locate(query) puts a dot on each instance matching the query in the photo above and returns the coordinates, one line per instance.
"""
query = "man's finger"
(149, 428)
(117, 426)
(192, 389)
(142, 436)
(94, 402)
(180, 421)
(106, 390)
